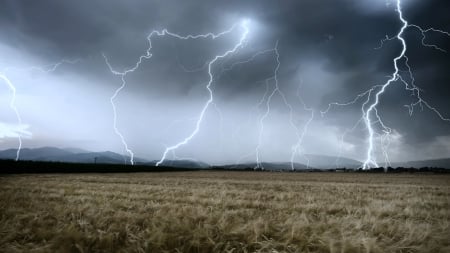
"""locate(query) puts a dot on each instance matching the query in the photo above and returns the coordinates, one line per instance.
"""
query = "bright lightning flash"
(272, 89)
(44, 69)
(244, 26)
(370, 115)
(12, 105)
(296, 149)
(275, 90)
(148, 54)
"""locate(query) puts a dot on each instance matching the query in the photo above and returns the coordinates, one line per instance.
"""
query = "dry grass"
(225, 212)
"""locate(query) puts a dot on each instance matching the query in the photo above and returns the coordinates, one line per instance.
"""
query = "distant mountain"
(34, 154)
(436, 163)
(91, 157)
(308, 161)
(76, 155)
(76, 150)
(72, 155)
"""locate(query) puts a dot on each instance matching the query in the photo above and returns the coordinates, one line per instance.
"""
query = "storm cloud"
(328, 53)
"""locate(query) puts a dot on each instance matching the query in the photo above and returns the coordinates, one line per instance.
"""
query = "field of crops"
(225, 212)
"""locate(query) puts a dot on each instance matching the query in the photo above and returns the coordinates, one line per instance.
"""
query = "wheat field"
(208, 211)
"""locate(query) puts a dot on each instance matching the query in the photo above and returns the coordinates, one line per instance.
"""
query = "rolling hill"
(75, 155)
(309, 161)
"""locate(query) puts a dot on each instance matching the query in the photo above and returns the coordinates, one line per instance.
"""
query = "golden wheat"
(225, 212)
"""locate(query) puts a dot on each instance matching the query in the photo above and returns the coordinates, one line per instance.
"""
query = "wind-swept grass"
(225, 212)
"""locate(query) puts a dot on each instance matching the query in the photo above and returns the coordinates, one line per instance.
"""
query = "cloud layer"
(327, 52)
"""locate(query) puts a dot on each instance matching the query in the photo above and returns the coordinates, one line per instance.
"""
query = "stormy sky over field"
(327, 52)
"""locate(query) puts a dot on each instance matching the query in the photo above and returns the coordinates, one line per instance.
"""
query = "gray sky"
(327, 54)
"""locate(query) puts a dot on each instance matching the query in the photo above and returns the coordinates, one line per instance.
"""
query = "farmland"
(212, 211)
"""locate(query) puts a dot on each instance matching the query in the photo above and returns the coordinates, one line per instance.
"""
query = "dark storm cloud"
(328, 44)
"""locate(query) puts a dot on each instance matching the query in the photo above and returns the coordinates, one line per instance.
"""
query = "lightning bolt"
(372, 109)
(147, 55)
(231, 67)
(116, 93)
(275, 91)
(266, 100)
(301, 134)
(261, 124)
(44, 69)
(12, 105)
(370, 115)
(244, 26)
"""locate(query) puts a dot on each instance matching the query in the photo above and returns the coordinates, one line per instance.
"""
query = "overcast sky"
(327, 53)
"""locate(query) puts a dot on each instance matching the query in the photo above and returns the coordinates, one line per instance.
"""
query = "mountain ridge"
(310, 161)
